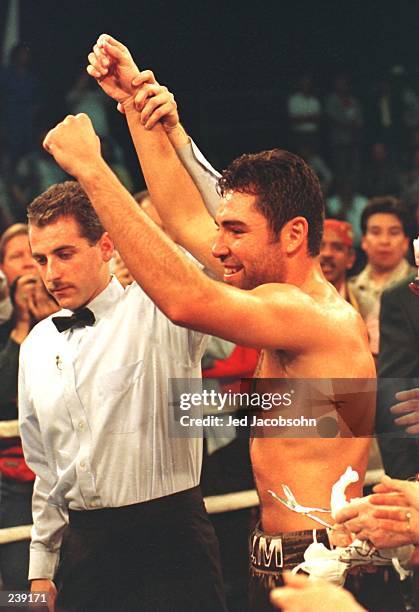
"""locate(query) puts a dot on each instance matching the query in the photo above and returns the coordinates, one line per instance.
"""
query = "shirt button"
(83, 465)
(81, 425)
(94, 504)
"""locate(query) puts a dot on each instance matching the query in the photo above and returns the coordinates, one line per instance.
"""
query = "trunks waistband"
(273, 552)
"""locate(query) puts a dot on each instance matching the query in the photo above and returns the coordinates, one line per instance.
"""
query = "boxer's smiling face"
(245, 244)
(74, 270)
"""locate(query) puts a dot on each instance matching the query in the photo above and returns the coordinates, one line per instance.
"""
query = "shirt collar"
(364, 278)
(106, 299)
(103, 302)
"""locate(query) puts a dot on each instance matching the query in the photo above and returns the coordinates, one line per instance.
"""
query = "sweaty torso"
(311, 464)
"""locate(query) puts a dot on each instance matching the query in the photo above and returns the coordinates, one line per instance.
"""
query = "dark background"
(232, 64)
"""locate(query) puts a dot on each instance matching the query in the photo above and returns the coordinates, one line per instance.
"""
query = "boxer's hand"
(112, 66)
(407, 411)
(45, 586)
(302, 595)
(74, 145)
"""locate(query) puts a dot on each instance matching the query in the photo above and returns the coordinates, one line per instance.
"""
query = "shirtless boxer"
(274, 296)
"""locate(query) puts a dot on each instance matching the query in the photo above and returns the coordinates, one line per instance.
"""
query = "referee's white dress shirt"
(95, 416)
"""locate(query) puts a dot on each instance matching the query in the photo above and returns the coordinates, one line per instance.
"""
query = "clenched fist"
(74, 145)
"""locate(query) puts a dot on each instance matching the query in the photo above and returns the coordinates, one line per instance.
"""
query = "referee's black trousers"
(155, 556)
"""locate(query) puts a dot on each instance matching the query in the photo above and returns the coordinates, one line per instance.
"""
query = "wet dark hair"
(387, 205)
(285, 187)
(66, 200)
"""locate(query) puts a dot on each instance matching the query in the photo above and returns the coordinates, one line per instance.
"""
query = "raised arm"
(266, 317)
(156, 103)
(170, 186)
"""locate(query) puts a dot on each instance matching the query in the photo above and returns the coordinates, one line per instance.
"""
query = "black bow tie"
(78, 319)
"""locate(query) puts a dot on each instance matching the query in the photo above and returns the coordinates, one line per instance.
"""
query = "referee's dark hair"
(66, 200)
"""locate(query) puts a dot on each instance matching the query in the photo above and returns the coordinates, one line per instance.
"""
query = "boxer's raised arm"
(156, 103)
(168, 182)
(174, 193)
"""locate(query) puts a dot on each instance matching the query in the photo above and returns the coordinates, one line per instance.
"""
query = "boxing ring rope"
(215, 504)
(15, 534)
(9, 429)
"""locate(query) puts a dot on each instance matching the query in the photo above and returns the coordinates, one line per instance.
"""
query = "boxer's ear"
(294, 234)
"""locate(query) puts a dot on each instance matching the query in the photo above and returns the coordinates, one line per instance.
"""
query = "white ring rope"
(9, 429)
(215, 504)
(15, 534)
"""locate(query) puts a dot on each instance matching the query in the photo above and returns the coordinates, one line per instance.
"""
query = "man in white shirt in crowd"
(95, 424)
(385, 242)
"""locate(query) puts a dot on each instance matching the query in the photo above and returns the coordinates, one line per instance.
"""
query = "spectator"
(385, 114)
(398, 368)
(304, 113)
(408, 105)
(337, 256)
(385, 242)
(345, 120)
(15, 254)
